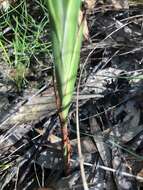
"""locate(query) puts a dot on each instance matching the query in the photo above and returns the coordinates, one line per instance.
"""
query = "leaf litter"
(110, 114)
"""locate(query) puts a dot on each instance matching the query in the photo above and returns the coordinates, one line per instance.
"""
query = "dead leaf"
(4, 4)
(90, 4)
(85, 28)
(140, 174)
(119, 4)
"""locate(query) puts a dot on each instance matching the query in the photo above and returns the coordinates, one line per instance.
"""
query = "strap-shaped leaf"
(66, 37)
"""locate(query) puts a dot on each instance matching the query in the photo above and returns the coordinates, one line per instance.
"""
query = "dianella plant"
(66, 35)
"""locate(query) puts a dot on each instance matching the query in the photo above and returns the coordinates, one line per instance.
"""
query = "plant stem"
(66, 147)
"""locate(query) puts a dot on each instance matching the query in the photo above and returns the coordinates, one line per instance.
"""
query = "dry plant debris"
(110, 106)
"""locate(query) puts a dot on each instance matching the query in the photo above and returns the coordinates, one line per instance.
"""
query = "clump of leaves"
(66, 39)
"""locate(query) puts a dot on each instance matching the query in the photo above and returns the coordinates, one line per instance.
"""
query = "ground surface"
(110, 101)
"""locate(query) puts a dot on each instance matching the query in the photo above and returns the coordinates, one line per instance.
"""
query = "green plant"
(25, 41)
(66, 39)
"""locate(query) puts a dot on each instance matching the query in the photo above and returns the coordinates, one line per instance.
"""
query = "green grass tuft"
(22, 38)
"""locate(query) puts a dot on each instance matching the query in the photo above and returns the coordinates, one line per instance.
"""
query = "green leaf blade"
(66, 37)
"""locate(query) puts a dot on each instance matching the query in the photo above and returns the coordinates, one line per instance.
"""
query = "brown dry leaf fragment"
(52, 138)
(85, 28)
(119, 4)
(140, 174)
(90, 4)
(4, 4)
